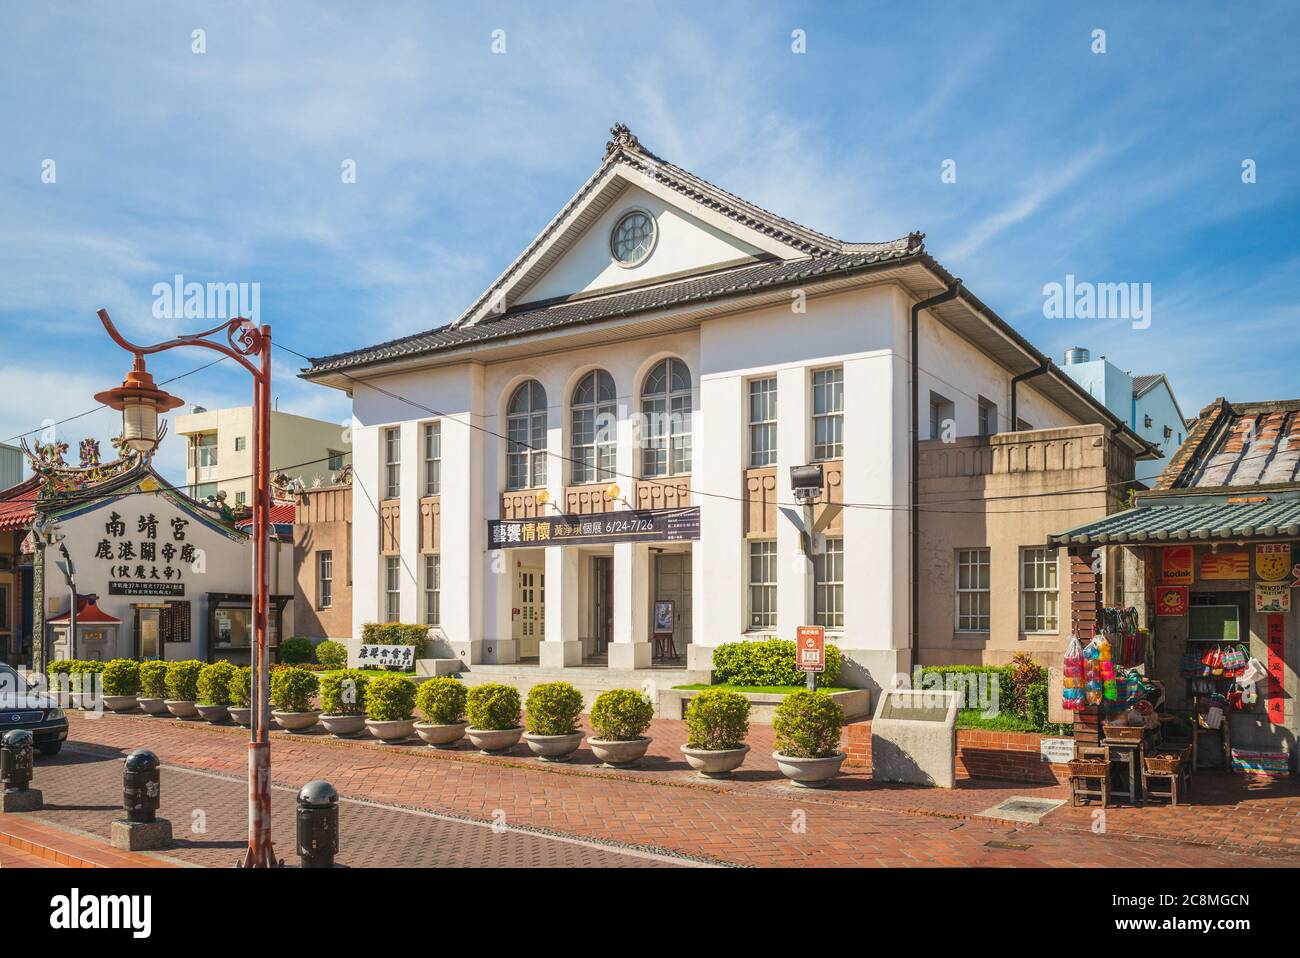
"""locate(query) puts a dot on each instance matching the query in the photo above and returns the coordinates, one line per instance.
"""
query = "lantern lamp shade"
(140, 403)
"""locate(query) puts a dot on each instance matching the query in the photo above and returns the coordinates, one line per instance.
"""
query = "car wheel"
(51, 749)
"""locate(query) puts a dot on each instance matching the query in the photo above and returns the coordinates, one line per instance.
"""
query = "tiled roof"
(281, 515)
(18, 505)
(1236, 445)
(87, 612)
(1144, 382)
(1171, 522)
(695, 290)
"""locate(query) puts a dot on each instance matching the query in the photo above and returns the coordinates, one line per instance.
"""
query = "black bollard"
(318, 824)
(16, 760)
(141, 786)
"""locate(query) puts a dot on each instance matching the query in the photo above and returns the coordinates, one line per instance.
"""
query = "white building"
(722, 345)
(11, 465)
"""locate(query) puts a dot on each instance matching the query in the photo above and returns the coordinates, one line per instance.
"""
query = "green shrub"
(344, 693)
(78, 672)
(492, 707)
(1024, 673)
(808, 725)
(183, 680)
(621, 715)
(553, 709)
(122, 677)
(292, 689)
(240, 687)
(214, 683)
(717, 719)
(1036, 704)
(390, 698)
(59, 667)
(768, 662)
(332, 655)
(153, 679)
(395, 633)
(296, 650)
(441, 701)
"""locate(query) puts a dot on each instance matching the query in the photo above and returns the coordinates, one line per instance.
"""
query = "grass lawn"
(760, 689)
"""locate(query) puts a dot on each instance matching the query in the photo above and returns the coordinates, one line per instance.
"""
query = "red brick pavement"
(27, 842)
(752, 821)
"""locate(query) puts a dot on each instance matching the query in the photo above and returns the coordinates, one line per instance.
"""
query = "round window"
(633, 238)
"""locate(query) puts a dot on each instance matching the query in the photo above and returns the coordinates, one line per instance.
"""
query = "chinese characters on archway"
(151, 553)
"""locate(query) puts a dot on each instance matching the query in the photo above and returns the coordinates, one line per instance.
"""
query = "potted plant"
(717, 721)
(493, 713)
(552, 711)
(121, 685)
(183, 688)
(807, 727)
(292, 689)
(619, 719)
(240, 688)
(59, 674)
(390, 700)
(442, 703)
(343, 702)
(87, 687)
(214, 691)
(153, 687)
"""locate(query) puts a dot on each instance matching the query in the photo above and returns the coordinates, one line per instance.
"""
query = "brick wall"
(1011, 756)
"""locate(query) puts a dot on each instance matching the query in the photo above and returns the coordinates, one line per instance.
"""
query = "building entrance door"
(148, 643)
(673, 582)
(602, 602)
(530, 600)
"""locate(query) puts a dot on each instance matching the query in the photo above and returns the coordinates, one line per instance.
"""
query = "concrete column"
(367, 566)
(794, 574)
(465, 566)
(561, 646)
(719, 560)
(498, 643)
(412, 562)
(630, 648)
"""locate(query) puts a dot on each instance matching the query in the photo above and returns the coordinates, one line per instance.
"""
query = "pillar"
(630, 648)
(561, 647)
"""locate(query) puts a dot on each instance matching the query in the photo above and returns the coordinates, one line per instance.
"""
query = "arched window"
(595, 420)
(666, 415)
(526, 434)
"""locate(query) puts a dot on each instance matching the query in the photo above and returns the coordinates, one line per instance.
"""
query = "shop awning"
(1177, 522)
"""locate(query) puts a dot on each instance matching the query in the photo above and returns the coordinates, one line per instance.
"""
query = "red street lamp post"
(140, 402)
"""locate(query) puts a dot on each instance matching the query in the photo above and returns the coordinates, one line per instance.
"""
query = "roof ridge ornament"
(623, 139)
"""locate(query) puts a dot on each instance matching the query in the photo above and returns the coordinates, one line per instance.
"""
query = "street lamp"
(140, 403)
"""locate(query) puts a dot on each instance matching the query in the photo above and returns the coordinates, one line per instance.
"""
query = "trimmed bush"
(441, 701)
(553, 709)
(183, 680)
(395, 633)
(1036, 704)
(769, 662)
(390, 698)
(240, 687)
(78, 671)
(621, 715)
(717, 719)
(492, 707)
(292, 689)
(122, 677)
(808, 725)
(214, 683)
(344, 693)
(153, 679)
(296, 650)
(332, 655)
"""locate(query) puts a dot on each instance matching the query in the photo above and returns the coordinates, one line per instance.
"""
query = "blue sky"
(225, 166)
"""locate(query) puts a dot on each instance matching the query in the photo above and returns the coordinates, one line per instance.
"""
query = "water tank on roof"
(1077, 354)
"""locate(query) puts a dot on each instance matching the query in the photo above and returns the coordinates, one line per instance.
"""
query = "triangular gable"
(716, 228)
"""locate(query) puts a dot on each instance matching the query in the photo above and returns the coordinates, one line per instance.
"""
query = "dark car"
(23, 706)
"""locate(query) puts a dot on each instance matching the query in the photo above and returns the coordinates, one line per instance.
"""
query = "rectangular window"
(828, 585)
(762, 421)
(392, 588)
(335, 463)
(241, 443)
(392, 463)
(828, 414)
(432, 590)
(988, 417)
(972, 590)
(1039, 592)
(205, 453)
(324, 579)
(762, 584)
(942, 412)
(241, 499)
(432, 458)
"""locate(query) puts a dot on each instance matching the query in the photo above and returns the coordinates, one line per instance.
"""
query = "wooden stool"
(1080, 789)
(1128, 756)
(1174, 782)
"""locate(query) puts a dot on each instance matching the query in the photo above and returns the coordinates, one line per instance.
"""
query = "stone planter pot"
(241, 716)
(391, 733)
(718, 763)
(441, 736)
(86, 701)
(619, 754)
(152, 706)
(182, 708)
(494, 741)
(554, 748)
(809, 772)
(344, 726)
(121, 703)
(296, 721)
(213, 713)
